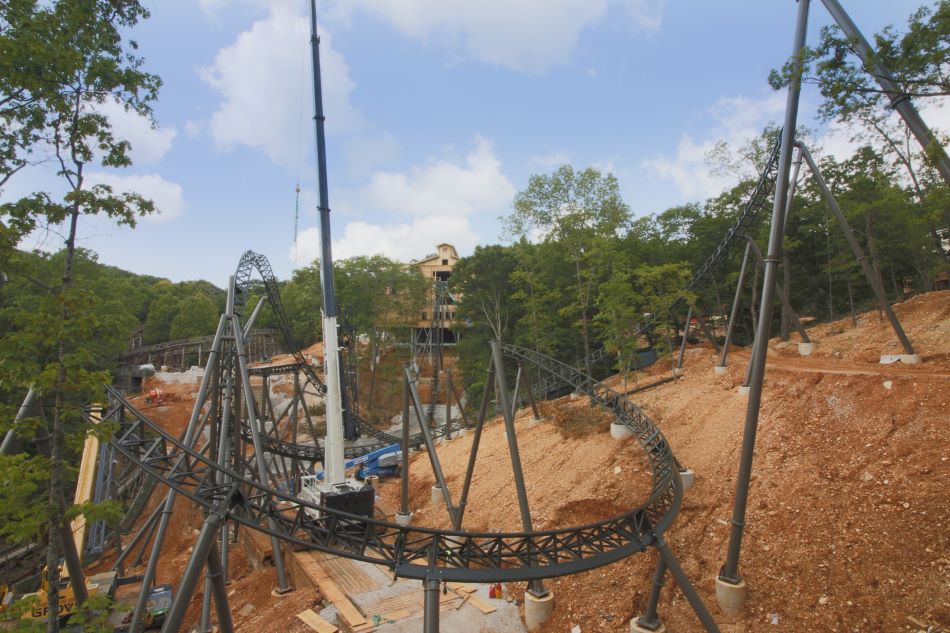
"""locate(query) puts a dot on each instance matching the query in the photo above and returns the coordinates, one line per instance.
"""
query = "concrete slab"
(404, 599)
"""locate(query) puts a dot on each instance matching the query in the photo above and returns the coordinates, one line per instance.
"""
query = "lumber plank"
(331, 591)
(481, 605)
(315, 622)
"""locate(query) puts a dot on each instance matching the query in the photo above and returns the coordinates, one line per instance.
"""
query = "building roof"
(452, 253)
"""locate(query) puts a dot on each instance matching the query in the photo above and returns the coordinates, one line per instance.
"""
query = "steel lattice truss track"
(415, 552)
(758, 200)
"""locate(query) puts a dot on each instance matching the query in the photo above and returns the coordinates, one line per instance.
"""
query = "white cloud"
(422, 207)
(149, 142)
(523, 35)
(167, 196)
(402, 241)
(442, 187)
(736, 120)
(264, 79)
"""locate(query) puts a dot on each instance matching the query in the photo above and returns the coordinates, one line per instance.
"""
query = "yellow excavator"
(103, 583)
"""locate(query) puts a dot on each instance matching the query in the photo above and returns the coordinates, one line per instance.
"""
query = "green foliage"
(23, 480)
(198, 316)
(381, 294)
(93, 615)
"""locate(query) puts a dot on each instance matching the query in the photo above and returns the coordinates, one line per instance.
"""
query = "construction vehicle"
(98, 584)
(157, 606)
(155, 396)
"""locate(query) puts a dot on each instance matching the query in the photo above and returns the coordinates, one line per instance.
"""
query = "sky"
(438, 112)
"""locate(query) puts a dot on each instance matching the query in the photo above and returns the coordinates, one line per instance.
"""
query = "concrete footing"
(720, 369)
(462, 432)
(687, 476)
(619, 431)
(731, 596)
(743, 390)
(403, 518)
(805, 349)
(437, 499)
(636, 627)
(537, 609)
(907, 359)
(533, 423)
(678, 371)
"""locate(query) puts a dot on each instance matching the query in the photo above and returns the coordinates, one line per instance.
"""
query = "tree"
(483, 281)
(918, 61)
(198, 316)
(161, 312)
(61, 61)
(579, 210)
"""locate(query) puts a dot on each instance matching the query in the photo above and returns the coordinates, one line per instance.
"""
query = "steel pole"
(514, 394)
(649, 619)
(730, 571)
(689, 317)
(148, 578)
(857, 251)
(535, 587)
(531, 400)
(196, 563)
(733, 314)
(430, 447)
(682, 581)
(430, 623)
(404, 483)
(899, 99)
(248, 392)
(476, 440)
(447, 432)
(7, 444)
(783, 298)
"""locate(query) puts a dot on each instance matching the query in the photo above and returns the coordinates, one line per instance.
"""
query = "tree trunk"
(57, 441)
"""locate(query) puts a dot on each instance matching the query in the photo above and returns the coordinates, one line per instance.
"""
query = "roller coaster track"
(758, 200)
(416, 552)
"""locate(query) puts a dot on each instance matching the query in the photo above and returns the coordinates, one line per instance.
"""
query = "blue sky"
(438, 111)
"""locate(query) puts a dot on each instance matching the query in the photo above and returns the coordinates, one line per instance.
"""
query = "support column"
(537, 599)
(404, 515)
(689, 318)
(909, 356)
(733, 314)
(650, 622)
(730, 570)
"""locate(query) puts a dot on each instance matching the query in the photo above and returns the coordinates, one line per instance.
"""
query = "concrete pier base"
(688, 477)
(533, 423)
(537, 609)
(720, 369)
(678, 371)
(743, 390)
(437, 499)
(636, 627)
(619, 431)
(403, 518)
(731, 597)
(907, 359)
(806, 349)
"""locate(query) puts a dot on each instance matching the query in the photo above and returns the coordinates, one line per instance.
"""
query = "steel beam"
(857, 251)
(730, 571)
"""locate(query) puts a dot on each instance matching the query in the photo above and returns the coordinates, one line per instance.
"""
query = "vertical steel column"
(148, 578)
(430, 449)
(479, 423)
(733, 314)
(706, 331)
(689, 317)
(649, 619)
(534, 405)
(430, 614)
(857, 251)
(259, 457)
(730, 571)
(199, 556)
(404, 475)
(514, 394)
(783, 298)
(447, 432)
(535, 587)
(900, 100)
